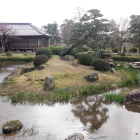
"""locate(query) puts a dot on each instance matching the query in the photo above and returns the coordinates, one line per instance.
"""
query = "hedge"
(126, 58)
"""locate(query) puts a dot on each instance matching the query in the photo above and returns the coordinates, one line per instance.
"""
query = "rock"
(12, 126)
(76, 136)
(25, 70)
(68, 58)
(75, 64)
(132, 97)
(49, 83)
(41, 67)
(112, 70)
(92, 77)
(112, 64)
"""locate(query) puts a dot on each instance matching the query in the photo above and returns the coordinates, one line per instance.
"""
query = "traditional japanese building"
(25, 36)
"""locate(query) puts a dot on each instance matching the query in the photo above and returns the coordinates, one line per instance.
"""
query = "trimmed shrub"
(126, 58)
(77, 50)
(40, 59)
(115, 50)
(56, 49)
(133, 50)
(100, 64)
(44, 51)
(85, 59)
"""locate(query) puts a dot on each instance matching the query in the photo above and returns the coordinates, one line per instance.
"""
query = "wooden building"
(26, 37)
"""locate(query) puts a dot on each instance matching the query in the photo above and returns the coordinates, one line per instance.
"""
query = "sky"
(42, 12)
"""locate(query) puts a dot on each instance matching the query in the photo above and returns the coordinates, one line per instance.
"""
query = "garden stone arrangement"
(92, 77)
(132, 97)
(12, 126)
(49, 83)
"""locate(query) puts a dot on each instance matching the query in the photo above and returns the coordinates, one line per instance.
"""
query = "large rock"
(25, 70)
(132, 97)
(12, 126)
(41, 67)
(92, 77)
(76, 136)
(49, 83)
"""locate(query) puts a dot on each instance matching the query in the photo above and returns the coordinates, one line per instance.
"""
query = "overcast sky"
(42, 12)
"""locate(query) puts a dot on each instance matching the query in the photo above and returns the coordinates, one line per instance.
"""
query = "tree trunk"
(63, 53)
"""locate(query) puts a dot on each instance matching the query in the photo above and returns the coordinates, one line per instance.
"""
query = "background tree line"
(92, 30)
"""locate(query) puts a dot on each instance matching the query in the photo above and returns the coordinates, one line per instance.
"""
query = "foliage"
(56, 49)
(135, 29)
(44, 51)
(133, 50)
(40, 59)
(61, 94)
(91, 30)
(66, 31)
(119, 33)
(17, 57)
(100, 64)
(133, 78)
(85, 58)
(7, 33)
(126, 58)
(115, 50)
(117, 98)
(77, 50)
(52, 29)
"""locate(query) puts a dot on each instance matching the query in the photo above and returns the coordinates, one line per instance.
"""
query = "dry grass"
(64, 73)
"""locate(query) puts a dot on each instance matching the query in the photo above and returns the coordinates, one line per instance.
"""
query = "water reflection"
(133, 108)
(6, 67)
(91, 112)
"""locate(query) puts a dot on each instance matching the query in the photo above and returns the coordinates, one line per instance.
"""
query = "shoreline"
(69, 84)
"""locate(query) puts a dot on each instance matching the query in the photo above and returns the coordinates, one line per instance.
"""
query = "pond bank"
(17, 57)
(69, 80)
(88, 115)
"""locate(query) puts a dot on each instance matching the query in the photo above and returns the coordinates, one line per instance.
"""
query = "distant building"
(26, 37)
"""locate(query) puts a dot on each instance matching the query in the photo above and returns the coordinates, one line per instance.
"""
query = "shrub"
(40, 59)
(85, 58)
(44, 51)
(56, 49)
(115, 50)
(126, 58)
(133, 50)
(67, 58)
(77, 50)
(100, 64)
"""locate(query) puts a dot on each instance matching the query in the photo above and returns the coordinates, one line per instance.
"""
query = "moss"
(12, 126)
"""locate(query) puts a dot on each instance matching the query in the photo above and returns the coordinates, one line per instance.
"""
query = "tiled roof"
(25, 29)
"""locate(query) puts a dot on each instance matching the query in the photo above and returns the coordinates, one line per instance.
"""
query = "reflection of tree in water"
(91, 111)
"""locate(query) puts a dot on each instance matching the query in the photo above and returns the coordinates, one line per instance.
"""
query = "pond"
(91, 116)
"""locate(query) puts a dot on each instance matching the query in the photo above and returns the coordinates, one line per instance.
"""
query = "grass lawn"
(67, 79)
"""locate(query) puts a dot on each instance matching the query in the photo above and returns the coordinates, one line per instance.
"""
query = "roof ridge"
(37, 29)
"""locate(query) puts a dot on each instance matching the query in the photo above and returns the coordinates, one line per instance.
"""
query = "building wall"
(29, 43)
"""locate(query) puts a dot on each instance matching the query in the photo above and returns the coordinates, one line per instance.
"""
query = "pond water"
(91, 116)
